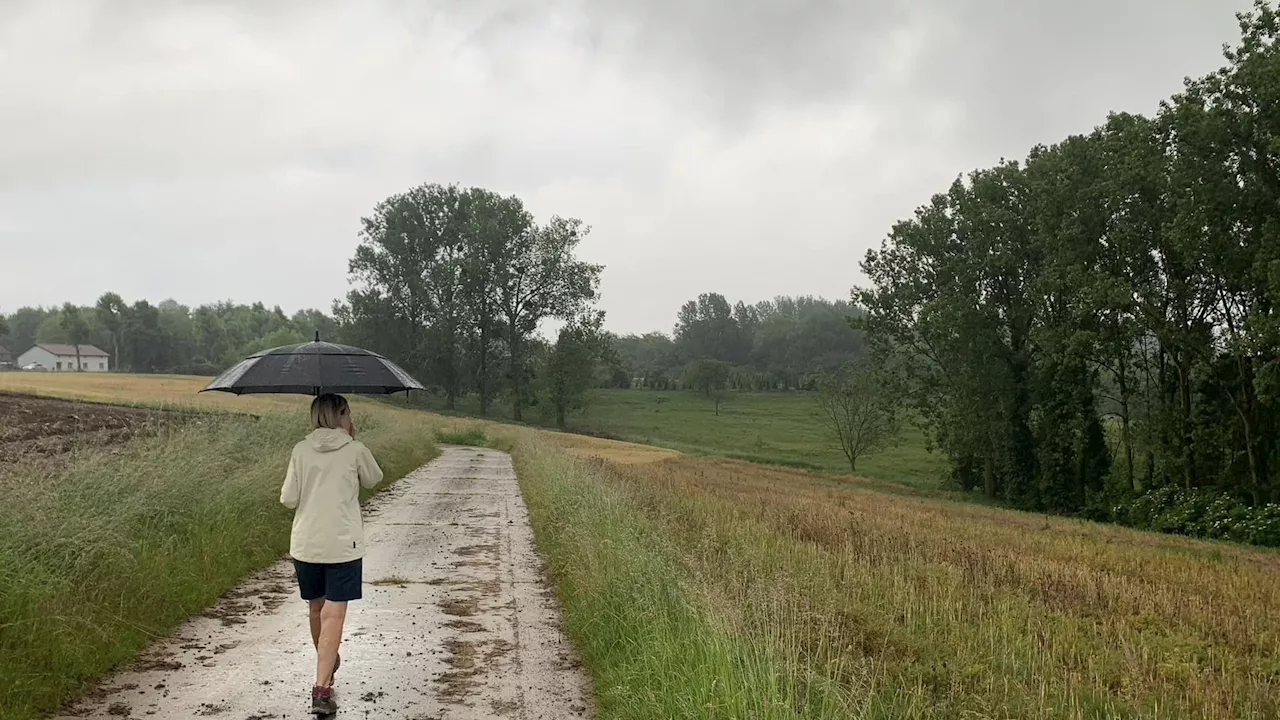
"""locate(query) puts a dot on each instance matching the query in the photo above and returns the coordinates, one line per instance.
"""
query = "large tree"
(542, 279)
(580, 345)
(709, 327)
(493, 221)
(110, 314)
(411, 257)
(77, 329)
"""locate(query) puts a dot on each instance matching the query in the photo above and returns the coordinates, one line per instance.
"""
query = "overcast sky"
(227, 150)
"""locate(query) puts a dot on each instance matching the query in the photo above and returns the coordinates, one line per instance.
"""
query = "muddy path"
(456, 622)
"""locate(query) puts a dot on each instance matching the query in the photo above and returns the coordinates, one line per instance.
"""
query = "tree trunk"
(484, 367)
(989, 477)
(1257, 471)
(517, 399)
(1167, 397)
(79, 364)
(1125, 434)
(1188, 437)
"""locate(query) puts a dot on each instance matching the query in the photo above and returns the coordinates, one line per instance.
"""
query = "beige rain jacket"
(322, 485)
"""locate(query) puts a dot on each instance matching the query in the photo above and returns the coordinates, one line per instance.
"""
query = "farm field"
(707, 587)
(33, 428)
(770, 428)
(178, 392)
(700, 587)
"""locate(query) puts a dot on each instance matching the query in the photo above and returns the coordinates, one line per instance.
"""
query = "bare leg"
(332, 617)
(316, 607)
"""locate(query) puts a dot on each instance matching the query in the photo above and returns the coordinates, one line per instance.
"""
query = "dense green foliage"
(1100, 321)
(570, 363)
(455, 283)
(782, 344)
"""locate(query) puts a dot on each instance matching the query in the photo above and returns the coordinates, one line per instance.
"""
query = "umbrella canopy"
(314, 368)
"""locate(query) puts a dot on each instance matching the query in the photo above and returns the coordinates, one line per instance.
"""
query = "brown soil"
(43, 429)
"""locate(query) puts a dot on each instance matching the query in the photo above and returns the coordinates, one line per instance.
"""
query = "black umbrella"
(315, 367)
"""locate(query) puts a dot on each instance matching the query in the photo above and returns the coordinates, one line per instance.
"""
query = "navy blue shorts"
(340, 582)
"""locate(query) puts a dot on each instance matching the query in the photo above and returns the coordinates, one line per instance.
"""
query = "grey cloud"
(1020, 71)
(752, 147)
(725, 58)
(1029, 72)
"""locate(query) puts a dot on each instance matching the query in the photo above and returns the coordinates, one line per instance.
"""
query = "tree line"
(167, 337)
(782, 344)
(1100, 320)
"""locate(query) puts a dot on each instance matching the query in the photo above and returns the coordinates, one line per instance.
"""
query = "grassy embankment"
(699, 588)
(767, 428)
(120, 546)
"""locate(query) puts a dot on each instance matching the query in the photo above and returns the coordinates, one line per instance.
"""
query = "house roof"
(70, 350)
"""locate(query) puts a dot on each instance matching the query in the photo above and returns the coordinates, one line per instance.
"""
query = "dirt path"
(455, 622)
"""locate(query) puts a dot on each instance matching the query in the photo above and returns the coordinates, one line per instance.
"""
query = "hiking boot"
(322, 702)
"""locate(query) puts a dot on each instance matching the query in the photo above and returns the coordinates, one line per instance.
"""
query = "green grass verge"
(101, 560)
(470, 437)
(645, 631)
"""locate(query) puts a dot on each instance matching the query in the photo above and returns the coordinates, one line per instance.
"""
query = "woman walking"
(322, 486)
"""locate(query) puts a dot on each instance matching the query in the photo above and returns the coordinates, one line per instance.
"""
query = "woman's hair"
(327, 411)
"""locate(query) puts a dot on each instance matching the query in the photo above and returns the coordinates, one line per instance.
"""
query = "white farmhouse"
(63, 358)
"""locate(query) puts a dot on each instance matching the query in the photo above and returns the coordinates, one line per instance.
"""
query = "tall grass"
(100, 560)
(888, 606)
(631, 606)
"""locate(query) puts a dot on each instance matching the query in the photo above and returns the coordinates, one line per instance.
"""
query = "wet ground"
(456, 622)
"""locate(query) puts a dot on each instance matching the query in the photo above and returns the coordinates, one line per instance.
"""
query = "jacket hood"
(328, 439)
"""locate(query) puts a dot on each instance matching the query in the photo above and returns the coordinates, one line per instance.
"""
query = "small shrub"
(1201, 513)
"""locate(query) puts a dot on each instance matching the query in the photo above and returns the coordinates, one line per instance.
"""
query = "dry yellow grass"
(141, 390)
(927, 608)
(615, 451)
